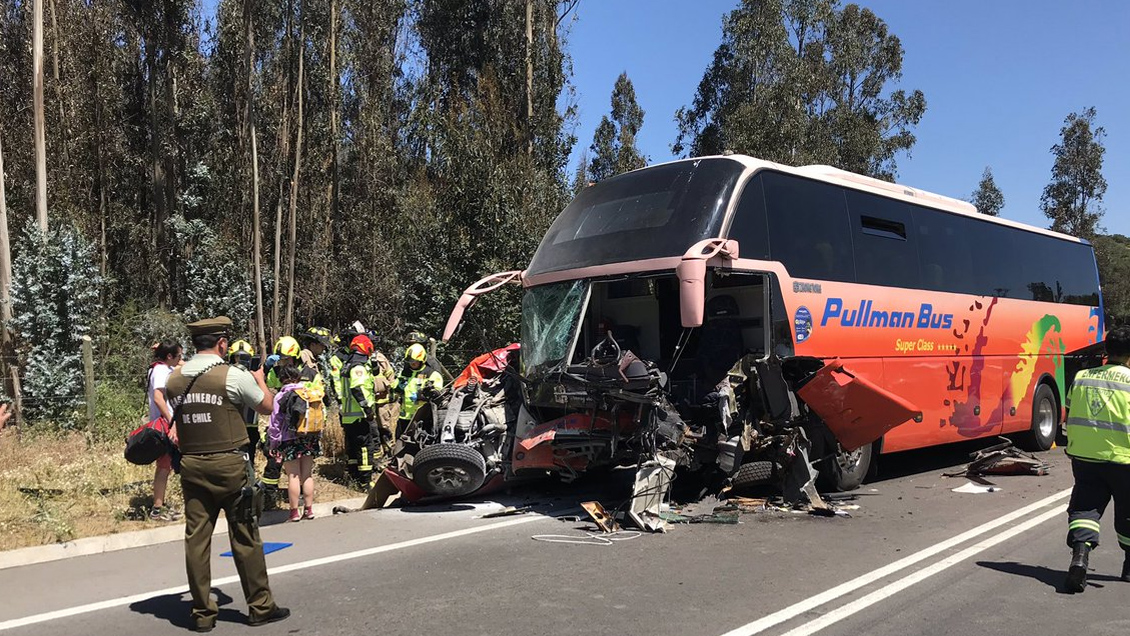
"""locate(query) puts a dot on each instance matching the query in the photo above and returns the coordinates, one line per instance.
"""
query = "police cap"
(218, 326)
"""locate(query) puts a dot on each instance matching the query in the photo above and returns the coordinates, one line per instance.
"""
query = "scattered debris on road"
(976, 489)
(1001, 459)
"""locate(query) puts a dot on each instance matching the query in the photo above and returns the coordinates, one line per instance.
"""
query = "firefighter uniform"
(1098, 442)
(358, 406)
(239, 354)
(384, 425)
(214, 470)
(415, 380)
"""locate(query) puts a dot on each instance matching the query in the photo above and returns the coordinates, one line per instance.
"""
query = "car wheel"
(451, 470)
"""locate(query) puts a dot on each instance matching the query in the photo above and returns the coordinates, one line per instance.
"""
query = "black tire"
(1045, 421)
(451, 470)
(753, 474)
(846, 471)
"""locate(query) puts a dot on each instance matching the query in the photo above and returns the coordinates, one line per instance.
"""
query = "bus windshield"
(658, 212)
(550, 314)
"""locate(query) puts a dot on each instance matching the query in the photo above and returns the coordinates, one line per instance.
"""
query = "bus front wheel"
(845, 470)
(1045, 421)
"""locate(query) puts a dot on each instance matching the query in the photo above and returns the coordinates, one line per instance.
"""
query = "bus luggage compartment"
(857, 411)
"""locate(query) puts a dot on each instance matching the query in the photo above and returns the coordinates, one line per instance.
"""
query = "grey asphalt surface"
(696, 579)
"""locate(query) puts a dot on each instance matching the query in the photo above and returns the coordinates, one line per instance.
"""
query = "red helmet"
(362, 344)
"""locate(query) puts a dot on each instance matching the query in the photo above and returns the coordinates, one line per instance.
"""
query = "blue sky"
(999, 76)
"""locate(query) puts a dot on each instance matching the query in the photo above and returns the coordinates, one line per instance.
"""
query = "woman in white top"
(167, 355)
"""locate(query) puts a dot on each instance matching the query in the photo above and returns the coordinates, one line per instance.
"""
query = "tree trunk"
(157, 176)
(530, 77)
(255, 231)
(332, 189)
(40, 135)
(293, 234)
(99, 145)
(64, 122)
(284, 154)
(8, 366)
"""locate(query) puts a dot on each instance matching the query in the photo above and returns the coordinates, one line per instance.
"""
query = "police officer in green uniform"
(1098, 442)
(214, 470)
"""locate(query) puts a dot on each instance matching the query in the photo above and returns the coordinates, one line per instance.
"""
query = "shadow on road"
(1048, 576)
(177, 609)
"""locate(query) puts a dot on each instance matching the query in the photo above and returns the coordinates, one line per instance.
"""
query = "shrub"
(56, 300)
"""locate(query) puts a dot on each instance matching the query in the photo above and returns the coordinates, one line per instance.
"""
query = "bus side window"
(750, 227)
(809, 229)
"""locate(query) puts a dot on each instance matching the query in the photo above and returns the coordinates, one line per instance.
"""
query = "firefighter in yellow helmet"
(417, 380)
(241, 354)
(287, 352)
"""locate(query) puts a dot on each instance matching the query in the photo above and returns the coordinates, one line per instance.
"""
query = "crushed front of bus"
(610, 377)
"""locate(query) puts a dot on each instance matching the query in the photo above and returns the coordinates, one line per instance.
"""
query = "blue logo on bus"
(803, 323)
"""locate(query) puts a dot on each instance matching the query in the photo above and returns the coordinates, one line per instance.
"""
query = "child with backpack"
(294, 435)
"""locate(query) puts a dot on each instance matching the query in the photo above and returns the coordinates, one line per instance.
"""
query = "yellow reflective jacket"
(1098, 416)
(357, 383)
(410, 383)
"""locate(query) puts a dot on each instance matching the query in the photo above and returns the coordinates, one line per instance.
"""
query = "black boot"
(1126, 567)
(1077, 573)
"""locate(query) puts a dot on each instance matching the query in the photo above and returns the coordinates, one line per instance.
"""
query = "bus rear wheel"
(1045, 421)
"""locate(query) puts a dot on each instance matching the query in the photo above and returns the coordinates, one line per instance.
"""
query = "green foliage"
(56, 300)
(215, 283)
(804, 81)
(1113, 255)
(124, 350)
(987, 197)
(1073, 198)
(120, 407)
(614, 143)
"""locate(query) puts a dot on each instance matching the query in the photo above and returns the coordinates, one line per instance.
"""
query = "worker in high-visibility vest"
(314, 341)
(416, 380)
(240, 354)
(358, 410)
(1098, 442)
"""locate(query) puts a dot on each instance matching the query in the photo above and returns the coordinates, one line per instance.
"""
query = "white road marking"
(127, 600)
(792, 611)
(858, 605)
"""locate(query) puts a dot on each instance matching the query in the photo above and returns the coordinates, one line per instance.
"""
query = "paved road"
(915, 558)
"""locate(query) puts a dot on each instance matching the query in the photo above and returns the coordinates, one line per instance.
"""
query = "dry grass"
(56, 488)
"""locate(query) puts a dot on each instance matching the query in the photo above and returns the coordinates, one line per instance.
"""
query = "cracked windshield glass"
(549, 321)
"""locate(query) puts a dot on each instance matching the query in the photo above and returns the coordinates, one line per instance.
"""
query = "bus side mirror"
(692, 292)
(691, 273)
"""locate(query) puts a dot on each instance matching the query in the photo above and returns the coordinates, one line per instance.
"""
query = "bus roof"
(836, 176)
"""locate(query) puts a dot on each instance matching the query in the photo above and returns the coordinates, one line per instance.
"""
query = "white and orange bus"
(719, 271)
